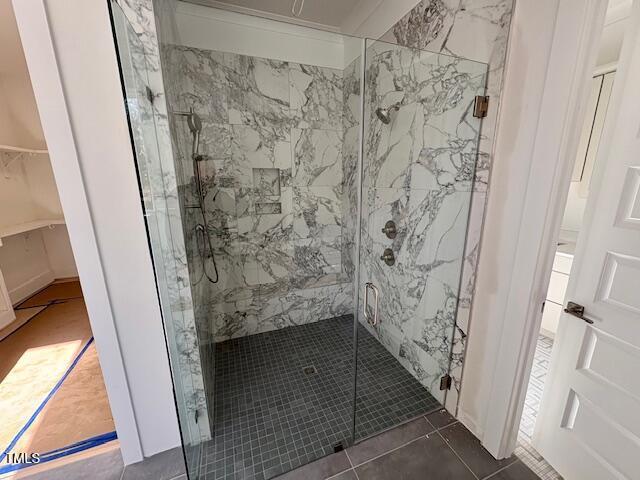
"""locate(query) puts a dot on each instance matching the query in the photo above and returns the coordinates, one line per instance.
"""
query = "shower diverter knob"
(388, 257)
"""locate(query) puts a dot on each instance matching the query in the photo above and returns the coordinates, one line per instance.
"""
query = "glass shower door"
(420, 147)
(143, 129)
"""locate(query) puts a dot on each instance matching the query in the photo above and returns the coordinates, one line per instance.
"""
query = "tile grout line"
(352, 467)
(456, 454)
(437, 429)
(501, 469)
(392, 450)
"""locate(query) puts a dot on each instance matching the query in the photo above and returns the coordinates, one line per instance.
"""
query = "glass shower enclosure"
(312, 207)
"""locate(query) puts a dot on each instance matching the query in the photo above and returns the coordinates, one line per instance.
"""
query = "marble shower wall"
(477, 30)
(273, 185)
(164, 220)
(351, 121)
(418, 172)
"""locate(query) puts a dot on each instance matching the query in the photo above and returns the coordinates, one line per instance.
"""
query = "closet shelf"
(10, 154)
(28, 227)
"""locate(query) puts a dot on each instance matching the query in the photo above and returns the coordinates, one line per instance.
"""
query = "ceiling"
(331, 13)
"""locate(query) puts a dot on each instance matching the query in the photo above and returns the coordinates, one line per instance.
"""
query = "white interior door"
(589, 421)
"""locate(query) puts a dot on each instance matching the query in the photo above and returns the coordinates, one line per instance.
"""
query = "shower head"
(385, 114)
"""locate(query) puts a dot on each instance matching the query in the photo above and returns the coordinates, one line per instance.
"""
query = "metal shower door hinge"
(149, 93)
(445, 382)
(481, 106)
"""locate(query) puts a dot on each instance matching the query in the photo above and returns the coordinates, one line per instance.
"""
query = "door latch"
(577, 311)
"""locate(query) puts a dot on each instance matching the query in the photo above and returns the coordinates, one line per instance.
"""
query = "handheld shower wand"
(195, 127)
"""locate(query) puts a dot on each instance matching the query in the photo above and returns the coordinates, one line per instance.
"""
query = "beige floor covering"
(54, 292)
(22, 317)
(33, 359)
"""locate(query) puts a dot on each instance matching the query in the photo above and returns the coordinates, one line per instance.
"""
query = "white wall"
(613, 32)
(574, 211)
(529, 44)
(58, 247)
(372, 19)
(214, 29)
(28, 192)
(32, 260)
(551, 55)
(225, 31)
(19, 122)
(25, 265)
(608, 53)
(79, 96)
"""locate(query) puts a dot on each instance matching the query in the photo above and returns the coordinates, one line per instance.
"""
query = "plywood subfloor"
(32, 361)
(53, 293)
(22, 317)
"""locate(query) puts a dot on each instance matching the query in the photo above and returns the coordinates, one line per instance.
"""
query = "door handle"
(577, 311)
(373, 321)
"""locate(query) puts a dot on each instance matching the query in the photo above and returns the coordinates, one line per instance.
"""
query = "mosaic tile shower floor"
(285, 398)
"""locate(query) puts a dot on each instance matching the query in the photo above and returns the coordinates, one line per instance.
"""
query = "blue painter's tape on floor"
(63, 452)
(44, 402)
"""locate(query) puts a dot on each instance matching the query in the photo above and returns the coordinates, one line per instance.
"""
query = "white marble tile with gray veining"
(316, 97)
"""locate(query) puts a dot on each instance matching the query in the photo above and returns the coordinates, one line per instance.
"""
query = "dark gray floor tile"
(163, 466)
(105, 466)
(424, 458)
(320, 469)
(468, 447)
(517, 471)
(389, 440)
(286, 397)
(348, 475)
(441, 418)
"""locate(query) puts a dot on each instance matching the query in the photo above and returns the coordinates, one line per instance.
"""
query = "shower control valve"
(390, 229)
(388, 257)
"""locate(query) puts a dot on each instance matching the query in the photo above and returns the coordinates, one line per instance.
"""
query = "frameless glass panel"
(267, 143)
(419, 155)
(291, 196)
(141, 115)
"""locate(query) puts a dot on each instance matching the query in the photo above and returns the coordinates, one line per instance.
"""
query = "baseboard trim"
(66, 279)
(470, 424)
(30, 287)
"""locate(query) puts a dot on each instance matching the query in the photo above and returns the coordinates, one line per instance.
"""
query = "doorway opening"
(593, 126)
(53, 401)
